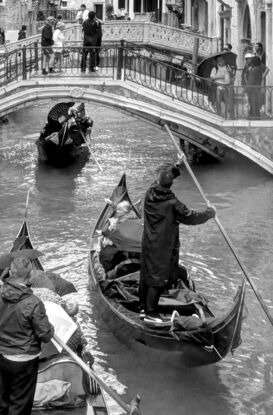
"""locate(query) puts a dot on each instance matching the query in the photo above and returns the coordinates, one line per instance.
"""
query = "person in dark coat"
(22, 33)
(47, 43)
(163, 213)
(23, 326)
(92, 35)
(254, 86)
(2, 36)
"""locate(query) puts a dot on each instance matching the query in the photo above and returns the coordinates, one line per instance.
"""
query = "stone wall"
(13, 15)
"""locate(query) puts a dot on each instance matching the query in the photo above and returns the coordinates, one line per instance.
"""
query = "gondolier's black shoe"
(44, 72)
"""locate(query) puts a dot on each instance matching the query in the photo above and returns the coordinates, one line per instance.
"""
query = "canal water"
(63, 208)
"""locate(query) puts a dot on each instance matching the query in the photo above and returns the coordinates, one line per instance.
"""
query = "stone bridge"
(251, 138)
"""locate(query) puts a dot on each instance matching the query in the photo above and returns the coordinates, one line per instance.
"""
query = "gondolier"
(163, 213)
(24, 326)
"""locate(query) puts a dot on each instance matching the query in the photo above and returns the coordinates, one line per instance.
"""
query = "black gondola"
(65, 137)
(205, 345)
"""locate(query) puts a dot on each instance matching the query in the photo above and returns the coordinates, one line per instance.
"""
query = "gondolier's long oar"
(222, 230)
(91, 152)
(93, 375)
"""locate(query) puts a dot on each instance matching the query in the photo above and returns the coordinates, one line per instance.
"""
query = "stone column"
(131, 9)
(241, 45)
(115, 5)
(268, 45)
(188, 12)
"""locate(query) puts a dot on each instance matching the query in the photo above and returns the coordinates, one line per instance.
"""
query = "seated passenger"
(77, 341)
(110, 255)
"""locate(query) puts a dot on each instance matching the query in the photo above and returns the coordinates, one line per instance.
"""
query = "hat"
(165, 178)
(50, 19)
(60, 25)
(249, 55)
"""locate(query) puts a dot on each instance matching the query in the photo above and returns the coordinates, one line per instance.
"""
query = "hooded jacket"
(163, 213)
(23, 320)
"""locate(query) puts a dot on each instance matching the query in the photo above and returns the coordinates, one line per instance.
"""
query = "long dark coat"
(163, 213)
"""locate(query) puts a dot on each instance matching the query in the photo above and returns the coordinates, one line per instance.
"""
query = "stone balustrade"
(139, 32)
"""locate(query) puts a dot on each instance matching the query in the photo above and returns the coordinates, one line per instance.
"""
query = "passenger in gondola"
(110, 255)
(77, 341)
(163, 213)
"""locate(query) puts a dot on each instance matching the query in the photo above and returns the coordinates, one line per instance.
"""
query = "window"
(137, 6)
(121, 4)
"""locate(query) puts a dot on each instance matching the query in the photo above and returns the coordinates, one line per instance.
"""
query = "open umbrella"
(128, 235)
(205, 67)
(6, 260)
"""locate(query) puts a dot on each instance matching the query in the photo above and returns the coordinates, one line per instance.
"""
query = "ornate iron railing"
(124, 62)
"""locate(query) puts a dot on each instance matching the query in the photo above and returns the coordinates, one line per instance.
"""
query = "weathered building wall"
(13, 15)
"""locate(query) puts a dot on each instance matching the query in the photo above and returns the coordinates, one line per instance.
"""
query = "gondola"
(65, 137)
(88, 397)
(209, 343)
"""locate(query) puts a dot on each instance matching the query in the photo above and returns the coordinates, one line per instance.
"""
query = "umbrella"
(6, 260)
(205, 67)
(128, 235)
(60, 109)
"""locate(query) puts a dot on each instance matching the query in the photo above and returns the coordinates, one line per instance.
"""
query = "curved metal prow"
(27, 200)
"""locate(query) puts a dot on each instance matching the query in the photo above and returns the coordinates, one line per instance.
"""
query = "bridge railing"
(227, 101)
(121, 61)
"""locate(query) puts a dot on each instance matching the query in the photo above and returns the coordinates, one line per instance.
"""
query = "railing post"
(36, 56)
(24, 62)
(120, 68)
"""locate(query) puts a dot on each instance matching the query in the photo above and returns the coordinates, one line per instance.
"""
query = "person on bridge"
(23, 325)
(47, 43)
(92, 38)
(82, 14)
(163, 213)
(2, 36)
(22, 33)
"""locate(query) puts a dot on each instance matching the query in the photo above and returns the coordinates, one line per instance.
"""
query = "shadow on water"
(56, 186)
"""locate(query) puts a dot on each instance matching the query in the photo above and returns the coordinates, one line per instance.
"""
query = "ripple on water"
(63, 207)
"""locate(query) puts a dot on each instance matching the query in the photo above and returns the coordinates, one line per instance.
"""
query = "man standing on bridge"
(91, 41)
(47, 43)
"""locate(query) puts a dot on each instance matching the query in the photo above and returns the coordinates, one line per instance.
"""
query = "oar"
(220, 226)
(92, 154)
(129, 410)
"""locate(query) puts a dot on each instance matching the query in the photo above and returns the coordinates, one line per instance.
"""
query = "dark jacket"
(163, 213)
(22, 35)
(92, 33)
(47, 36)
(23, 320)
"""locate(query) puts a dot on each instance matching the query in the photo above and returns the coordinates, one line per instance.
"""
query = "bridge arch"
(132, 99)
